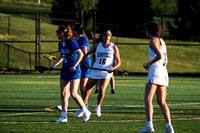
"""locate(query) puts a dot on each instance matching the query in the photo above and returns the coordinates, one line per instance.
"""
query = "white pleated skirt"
(98, 74)
(158, 75)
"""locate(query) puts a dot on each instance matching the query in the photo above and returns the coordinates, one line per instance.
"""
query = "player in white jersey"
(106, 53)
(157, 71)
(157, 79)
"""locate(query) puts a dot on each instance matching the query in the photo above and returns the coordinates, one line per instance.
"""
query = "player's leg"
(65, 93)
(73, 91)
(149, 93)
(112, 84)
(101, 94)
(83, 83)
(77, 98)
(150, 89)
(89, 86)
(161, 94)
(97, 87)
(102, 89)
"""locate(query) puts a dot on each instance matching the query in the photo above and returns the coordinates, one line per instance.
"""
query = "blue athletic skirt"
(85, 72)
(67, 75)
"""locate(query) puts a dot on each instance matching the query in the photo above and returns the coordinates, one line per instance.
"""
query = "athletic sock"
(149, 123)
(85, 109)
(86, 105)
(97, 106)
(64, 113)
(168, 124)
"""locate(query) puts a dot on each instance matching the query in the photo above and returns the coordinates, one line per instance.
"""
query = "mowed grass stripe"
(27, 82)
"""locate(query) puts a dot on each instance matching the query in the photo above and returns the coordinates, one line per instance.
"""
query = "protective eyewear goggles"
(106, 34)
(60, 31)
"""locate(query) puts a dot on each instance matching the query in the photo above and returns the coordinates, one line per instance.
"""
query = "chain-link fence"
(27, 37)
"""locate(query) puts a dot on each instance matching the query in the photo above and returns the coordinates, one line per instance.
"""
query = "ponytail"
(78, 27)
(89, 35)
(68, 34)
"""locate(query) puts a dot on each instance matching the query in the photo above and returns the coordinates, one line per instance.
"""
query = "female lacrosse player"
(70, 55)
(86, 64)
(157, 79)
(84, 45)
(105, 55)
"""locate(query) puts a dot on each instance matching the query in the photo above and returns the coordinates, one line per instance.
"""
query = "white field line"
(18, 114)
(117, 84)
(29, 82)
(104, 121)
(132, 106)
(103, 107)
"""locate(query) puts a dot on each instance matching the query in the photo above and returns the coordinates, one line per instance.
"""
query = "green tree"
(71, 9)
(188, 20)
(164, 7)
(130, 16)
(85, 5)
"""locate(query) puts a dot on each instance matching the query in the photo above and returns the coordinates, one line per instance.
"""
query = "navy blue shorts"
(85, 72)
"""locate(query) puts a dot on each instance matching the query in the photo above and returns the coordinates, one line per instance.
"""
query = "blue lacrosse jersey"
(69, 56)
(82, 42)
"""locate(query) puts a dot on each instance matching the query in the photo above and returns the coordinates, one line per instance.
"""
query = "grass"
(182, 59)
(38, 94)
(132, 56)
(23, 6)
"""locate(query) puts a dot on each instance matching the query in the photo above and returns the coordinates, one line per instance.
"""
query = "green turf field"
(27, 105)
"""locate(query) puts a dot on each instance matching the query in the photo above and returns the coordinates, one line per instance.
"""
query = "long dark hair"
(81, 29)
(153, 28)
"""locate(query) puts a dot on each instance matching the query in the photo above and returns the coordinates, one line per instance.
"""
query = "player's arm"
(84, 50)
(166, 60)
(154, 45)
(78, 60)
(90, 52)
(117, 58)
(57, 62)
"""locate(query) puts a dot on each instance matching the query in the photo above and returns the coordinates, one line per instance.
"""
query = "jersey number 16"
(102, 61)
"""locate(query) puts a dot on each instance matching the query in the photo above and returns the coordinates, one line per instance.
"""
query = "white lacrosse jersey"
(163, 50)
(104, 59)
(158, 72)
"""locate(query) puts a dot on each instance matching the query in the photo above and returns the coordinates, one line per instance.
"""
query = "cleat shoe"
(147, 129)
(96, 91)
(59, 107)
(169, 129)
(61, 119)
(79, 113)
(98, 111)
(86, 116)
(113, 91)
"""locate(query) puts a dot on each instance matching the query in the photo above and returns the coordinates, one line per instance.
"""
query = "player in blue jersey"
(83, 43)
(70, 55)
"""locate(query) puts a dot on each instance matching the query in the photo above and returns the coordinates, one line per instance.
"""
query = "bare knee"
(73, 95)
(161, 103)
(147, 100)
(102, 91)
(63, 94)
